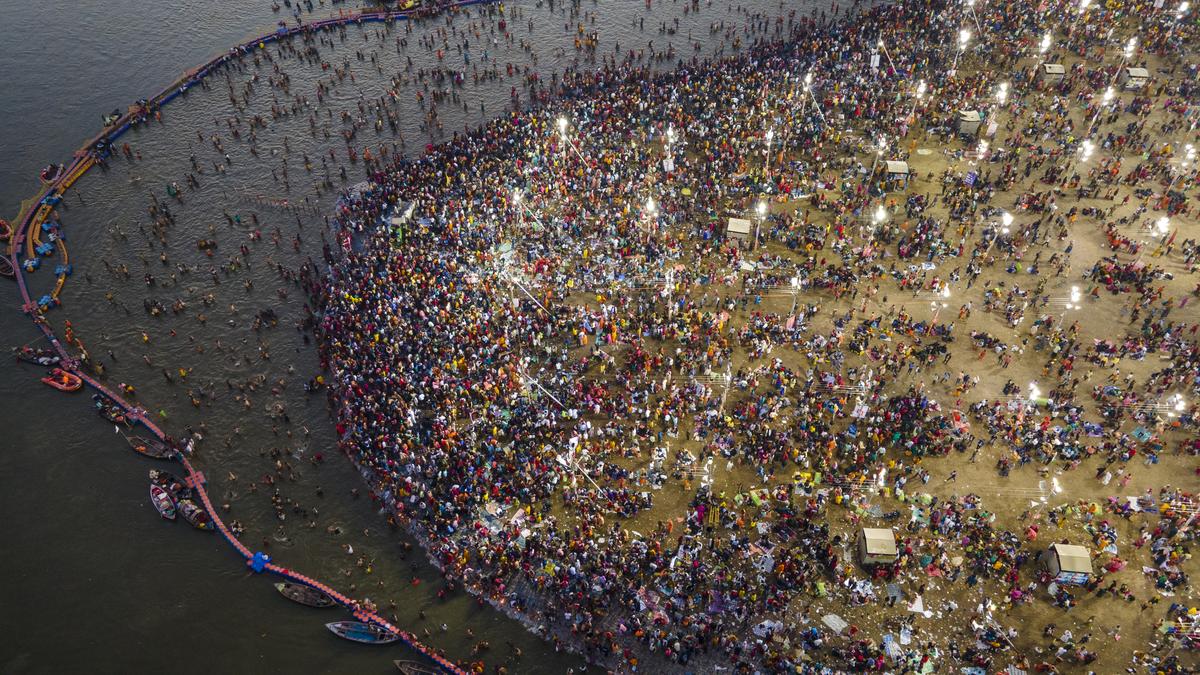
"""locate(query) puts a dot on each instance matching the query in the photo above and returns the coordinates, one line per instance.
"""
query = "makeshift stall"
(1134, 78)
(897, 172)
(876, 546)
(741, 231)
(1068, 563)
(969, 121)
(1052, 73)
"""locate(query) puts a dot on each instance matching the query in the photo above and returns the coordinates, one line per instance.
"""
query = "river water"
(94, 581)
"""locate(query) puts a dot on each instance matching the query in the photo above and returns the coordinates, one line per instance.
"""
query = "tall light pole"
(761, 209)
(1006, 220)
(1179, 12)
(881, 145)
(1071, 303)
(964, 39)
(1189, 156)
(1083, 7)
(769, 137)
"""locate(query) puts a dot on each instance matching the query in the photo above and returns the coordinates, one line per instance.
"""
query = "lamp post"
(877, 219)
(761, 210)
(767, 164)
(964, 39)
(562, 131)
(1006, 220)
(880, 147)
(1083, 7)
(1071, 303)
(1189, 156)
(971, 8)
(1179, 12)
(920, 95)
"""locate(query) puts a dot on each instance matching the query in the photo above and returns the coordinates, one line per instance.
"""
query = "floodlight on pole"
(1163, 224)
(1046, 40)
(964, 38)
(1006, 218)
(1130, 47)
(1002, 93)
(562, 125)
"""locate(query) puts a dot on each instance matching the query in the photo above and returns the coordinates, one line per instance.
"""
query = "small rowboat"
(195, 516)
(6, 267)
(162, 501)
(414, 668)
(5, 229)
(356, 631)
(151, 447)
(50, 172)
(305, 595)
(39, 357)
(109, 410)
(168, 481)
(63, 381)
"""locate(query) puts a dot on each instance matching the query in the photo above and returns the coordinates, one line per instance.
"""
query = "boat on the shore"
(169, 482)
(195, 515)
(151, 447)
(305, 595)
(63, 381)
(38, 357)
(162, 501)
(414, 668)
(356, 631)
(6, 266)
(109, 410)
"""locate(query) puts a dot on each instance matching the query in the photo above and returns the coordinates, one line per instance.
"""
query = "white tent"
(876, 546)
(897, 171)
(1068, 563)
(969, 121)
(740, 229)
(1134, 78)
(1052, 73)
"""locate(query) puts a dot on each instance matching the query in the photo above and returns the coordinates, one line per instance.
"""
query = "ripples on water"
(104, 510)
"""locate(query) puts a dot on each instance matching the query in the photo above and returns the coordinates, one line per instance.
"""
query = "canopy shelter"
(1134, 78)
(876, 546)
(740, 230)
(969, 121)
(1052, 73)
(897, 172)
(1068, 563)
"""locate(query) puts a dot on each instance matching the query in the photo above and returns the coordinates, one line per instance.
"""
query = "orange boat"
(63, 381)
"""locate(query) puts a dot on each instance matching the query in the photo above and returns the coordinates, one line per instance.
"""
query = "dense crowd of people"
(535, 324)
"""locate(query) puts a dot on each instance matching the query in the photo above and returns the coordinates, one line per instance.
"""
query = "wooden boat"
(151, 447)
(195, 516)
(6, 266)
(63, 381)
(162, 501)
(305, 595)
(414, 668)
(168, 481)
(356, 631)
(39, 357)
(51, 172)
(109, 410)
(5, 229)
